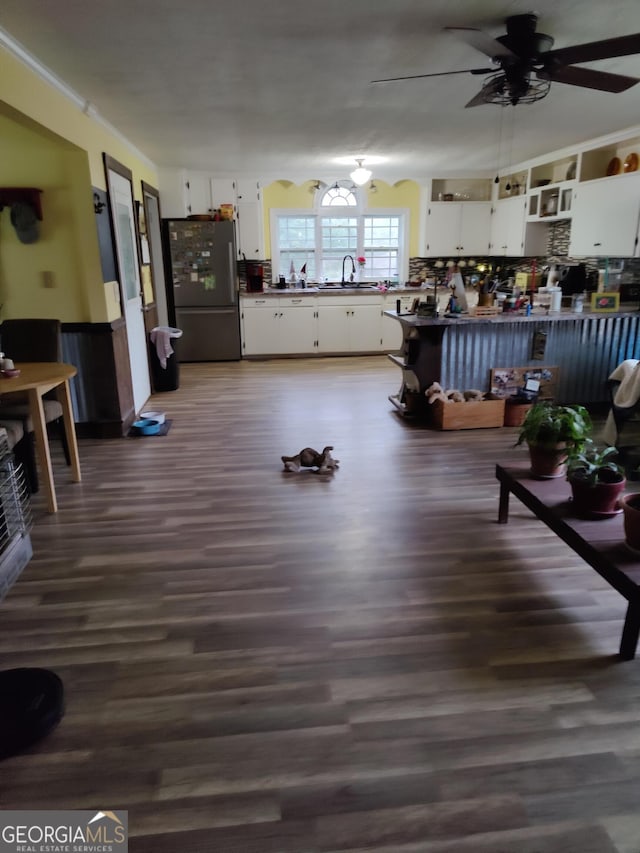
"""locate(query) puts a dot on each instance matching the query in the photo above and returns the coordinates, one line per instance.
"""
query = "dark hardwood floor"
(261, 662)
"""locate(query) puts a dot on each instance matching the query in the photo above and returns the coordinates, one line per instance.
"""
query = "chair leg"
(63, 438)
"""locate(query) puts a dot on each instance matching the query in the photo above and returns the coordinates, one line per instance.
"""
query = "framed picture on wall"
(603, 302)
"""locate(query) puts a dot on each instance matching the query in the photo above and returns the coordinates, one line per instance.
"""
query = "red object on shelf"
(29, 195)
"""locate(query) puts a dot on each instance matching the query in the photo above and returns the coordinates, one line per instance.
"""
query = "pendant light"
(360, 175)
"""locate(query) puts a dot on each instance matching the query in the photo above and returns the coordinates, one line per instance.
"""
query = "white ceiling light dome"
(360, 175)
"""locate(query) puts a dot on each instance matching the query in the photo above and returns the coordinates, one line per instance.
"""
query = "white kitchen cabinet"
(244, 195)
(278, 326)
(173, 193)
(183, 192)
(458, 228)
(259, 323)
(350, 325)
(605, 217)
(507, 226)
(297, 325)
(223, 191)
(198, 193)
(249, 216)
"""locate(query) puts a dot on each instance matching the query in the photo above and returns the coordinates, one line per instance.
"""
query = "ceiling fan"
(524, 64)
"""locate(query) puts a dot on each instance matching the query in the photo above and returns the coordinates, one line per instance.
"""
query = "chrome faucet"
(353, 269)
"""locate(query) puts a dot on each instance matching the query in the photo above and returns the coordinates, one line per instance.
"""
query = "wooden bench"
(600, 543)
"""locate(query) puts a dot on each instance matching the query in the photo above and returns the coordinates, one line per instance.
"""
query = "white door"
(152, 214)
(124, 228)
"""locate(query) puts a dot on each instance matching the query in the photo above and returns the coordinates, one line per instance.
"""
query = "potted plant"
(552, 431)
(631, 508)
(596, 480)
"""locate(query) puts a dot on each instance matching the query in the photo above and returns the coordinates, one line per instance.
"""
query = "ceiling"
(283, 90)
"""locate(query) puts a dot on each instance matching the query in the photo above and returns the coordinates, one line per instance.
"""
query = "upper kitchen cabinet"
(507, 226)
(247, 211)
(458, 217)
(250, 219)
(605, 217)
(184, 193)
(173, 193)
(606, 205)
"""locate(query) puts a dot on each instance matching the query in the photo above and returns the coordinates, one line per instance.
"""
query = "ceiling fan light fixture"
(360, 175)
(498, 89)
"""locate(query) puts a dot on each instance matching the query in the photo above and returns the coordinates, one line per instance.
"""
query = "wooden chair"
(33, 340)
(627, 374)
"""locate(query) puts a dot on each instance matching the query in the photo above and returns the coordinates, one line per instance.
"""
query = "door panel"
(121, 196)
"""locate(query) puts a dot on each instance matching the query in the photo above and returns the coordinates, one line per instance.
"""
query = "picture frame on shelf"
(605, 302)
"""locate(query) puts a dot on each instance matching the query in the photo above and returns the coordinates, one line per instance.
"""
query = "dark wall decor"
(105, 236)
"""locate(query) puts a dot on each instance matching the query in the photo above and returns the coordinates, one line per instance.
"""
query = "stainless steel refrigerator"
(202, 288)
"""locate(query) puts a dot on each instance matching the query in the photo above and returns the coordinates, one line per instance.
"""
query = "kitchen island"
(460, 352)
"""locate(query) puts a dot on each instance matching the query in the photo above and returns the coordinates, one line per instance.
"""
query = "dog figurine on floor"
(310, 458)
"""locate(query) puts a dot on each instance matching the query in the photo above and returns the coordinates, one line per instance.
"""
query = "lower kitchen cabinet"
(321, 325)
(284, 326)
(350, 325)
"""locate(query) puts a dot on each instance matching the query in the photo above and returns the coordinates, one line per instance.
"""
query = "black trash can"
(163, 358)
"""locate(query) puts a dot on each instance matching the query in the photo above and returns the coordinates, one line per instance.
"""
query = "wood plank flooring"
(261, 662)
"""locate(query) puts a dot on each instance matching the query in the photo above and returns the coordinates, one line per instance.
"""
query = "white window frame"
(359, 213)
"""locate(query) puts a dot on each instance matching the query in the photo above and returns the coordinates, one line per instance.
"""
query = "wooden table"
(36, 378)
(600, 543)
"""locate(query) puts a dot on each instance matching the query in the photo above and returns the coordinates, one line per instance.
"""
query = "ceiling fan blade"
(482, 42)
(490, 88)
(590, 79)
(436, 74)
(592, 51)
(478, 100)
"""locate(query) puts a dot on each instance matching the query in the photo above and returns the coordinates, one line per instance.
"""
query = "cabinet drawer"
(258, 301)
(350, 300)
(294, 301)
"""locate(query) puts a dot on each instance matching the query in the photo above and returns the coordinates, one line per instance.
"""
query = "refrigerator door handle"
(233, 285)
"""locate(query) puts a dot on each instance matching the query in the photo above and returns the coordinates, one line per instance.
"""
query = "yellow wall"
(285, 194)
(46, 141)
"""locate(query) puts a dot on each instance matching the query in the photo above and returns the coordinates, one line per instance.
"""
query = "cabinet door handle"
(597, 244)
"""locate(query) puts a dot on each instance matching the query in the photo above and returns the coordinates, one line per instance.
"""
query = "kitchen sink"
(348, 286)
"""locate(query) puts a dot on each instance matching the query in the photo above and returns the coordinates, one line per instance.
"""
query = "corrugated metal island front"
(460, 353)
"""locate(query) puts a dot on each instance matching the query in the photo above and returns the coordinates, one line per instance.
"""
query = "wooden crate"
(474, 414)
(485, 311)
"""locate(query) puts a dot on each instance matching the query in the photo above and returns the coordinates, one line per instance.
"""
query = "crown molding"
(85, 106)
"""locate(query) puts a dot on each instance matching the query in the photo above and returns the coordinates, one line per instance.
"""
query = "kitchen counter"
(334, 291)
(460, 352)
(507, 318)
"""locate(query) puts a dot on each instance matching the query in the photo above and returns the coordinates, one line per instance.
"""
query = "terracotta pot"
(547, 462)
(631, 508)
(515, 413)
(596, 501)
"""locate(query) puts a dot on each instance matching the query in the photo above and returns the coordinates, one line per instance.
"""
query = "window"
(381, 245)
(337, 227)
(296, 239)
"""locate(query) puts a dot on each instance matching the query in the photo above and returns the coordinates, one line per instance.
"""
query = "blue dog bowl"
(146, 427)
